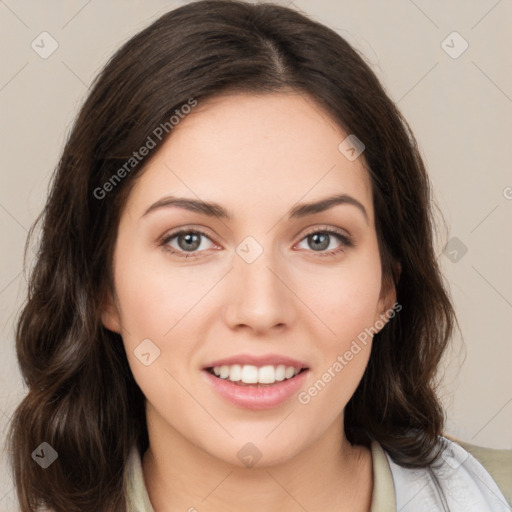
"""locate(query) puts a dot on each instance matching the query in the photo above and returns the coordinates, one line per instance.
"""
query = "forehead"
(247, 150)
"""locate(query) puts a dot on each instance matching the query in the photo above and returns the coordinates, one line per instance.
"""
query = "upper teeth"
(250, 374)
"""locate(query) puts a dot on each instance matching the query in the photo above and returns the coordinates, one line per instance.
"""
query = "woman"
(236, 302)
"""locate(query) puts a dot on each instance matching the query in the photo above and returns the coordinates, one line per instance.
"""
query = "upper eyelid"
(173, 233)
(329, 229)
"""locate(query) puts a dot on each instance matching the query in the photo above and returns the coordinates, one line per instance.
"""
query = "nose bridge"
(261, 299)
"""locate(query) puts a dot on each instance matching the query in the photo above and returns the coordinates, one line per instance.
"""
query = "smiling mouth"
(241, 383)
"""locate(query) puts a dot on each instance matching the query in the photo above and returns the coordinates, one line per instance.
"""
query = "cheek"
(346, 301)
(153, 296)
(151, 316)
(156, 303)
(345, 298)
(348, 308)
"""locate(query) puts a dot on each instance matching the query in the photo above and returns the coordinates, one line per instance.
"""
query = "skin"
(258, 156)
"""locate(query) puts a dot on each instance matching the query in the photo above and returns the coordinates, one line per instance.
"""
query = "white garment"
(457, 483)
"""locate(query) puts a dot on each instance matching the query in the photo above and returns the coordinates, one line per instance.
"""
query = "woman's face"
(259, 287)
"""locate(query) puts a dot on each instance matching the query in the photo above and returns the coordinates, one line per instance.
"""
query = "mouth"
(254, 376)
(256, 387)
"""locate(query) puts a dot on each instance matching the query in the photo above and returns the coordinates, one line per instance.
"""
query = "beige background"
(459, 108)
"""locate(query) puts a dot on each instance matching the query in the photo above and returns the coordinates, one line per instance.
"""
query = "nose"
(259, 296)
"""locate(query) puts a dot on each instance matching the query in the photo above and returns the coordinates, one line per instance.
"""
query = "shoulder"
(456, 482)
(498, 463)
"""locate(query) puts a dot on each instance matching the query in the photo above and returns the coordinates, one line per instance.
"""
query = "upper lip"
(261, 360)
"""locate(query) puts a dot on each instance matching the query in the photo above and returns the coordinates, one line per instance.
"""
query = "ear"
(388, 296)
(110, 317)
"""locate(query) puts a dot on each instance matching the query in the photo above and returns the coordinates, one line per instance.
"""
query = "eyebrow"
(217, 211)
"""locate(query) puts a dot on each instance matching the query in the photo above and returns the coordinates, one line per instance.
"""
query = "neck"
(329, 475)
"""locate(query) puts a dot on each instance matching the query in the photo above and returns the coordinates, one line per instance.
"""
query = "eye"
(321, 239)
(187, 242)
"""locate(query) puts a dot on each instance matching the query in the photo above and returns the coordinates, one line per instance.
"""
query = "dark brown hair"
(82, 398)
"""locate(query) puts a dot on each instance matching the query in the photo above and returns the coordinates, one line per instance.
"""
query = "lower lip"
(254, 397)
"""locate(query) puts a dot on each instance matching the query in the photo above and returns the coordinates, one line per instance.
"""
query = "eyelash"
(347, 242)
